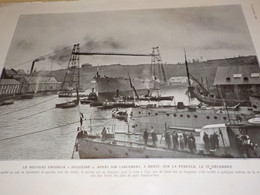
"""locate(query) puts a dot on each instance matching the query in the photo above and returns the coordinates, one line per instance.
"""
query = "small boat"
(255, 120)
(120, 114)
(27, 96)
(66, 105)
(211, 100)
(7, 102)
(85, 101)
(65, 94)
(96, 103)
(92, 96)
(108, 105)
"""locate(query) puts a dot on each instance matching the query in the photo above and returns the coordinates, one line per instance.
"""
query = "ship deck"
(134, 146)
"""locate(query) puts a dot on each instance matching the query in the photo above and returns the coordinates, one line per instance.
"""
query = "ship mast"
(189, 76)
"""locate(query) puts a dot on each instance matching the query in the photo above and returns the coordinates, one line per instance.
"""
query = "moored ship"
(184, 117)
(108, 87)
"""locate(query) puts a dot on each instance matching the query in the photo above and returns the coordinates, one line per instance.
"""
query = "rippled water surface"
(35, 129)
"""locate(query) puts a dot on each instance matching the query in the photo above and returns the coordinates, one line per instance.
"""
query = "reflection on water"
(35, 129)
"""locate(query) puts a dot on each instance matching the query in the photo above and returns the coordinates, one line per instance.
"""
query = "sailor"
(192, 143)
(212, 142)
(154, 138)
(145, 136)
(104, 133)
(181, 142)
(81, 119)
(168, 139)
(175, 140)
(185, 138)
(216, 141)
(206, 141)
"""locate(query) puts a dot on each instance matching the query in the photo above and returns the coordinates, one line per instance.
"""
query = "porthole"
(208, 117)
(181, 115)
(174, 115)
(139, 112)
(188, 116)
(156, 113)
(225, 118)
(215, 117)
(168, 114)
(195, 116)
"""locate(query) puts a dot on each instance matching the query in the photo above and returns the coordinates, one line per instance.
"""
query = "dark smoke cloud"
(61, 57)
(107, 44)
(39, 59)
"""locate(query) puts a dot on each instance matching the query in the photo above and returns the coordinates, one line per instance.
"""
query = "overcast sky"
(207, 32)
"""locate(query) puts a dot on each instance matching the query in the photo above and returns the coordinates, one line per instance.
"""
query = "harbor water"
(34, 129)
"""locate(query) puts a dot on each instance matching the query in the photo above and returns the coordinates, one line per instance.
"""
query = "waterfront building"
(9, 87)
(39, 84)
(237, 82)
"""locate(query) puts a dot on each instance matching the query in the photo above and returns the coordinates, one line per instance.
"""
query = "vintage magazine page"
(130, 97)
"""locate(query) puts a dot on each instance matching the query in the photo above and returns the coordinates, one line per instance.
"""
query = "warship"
(181, 117)
(111, 144)
(109, 87)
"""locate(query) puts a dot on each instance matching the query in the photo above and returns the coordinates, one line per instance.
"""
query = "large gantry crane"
(72, 75)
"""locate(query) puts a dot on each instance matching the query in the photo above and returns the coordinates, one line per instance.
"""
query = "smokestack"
(36, 60)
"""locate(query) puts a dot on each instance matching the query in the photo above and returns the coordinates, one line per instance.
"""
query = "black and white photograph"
(139, 83)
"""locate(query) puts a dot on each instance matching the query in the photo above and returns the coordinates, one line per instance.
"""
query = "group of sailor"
(180, 141)
(153, 135)
(211, 142)
(174, 141)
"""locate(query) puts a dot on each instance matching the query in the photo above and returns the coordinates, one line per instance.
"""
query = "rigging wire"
(27, 107)
(40, 131)
(35, 113)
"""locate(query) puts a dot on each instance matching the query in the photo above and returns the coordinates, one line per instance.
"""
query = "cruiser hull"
(96, 149)
(162, 118)
(108, 87)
